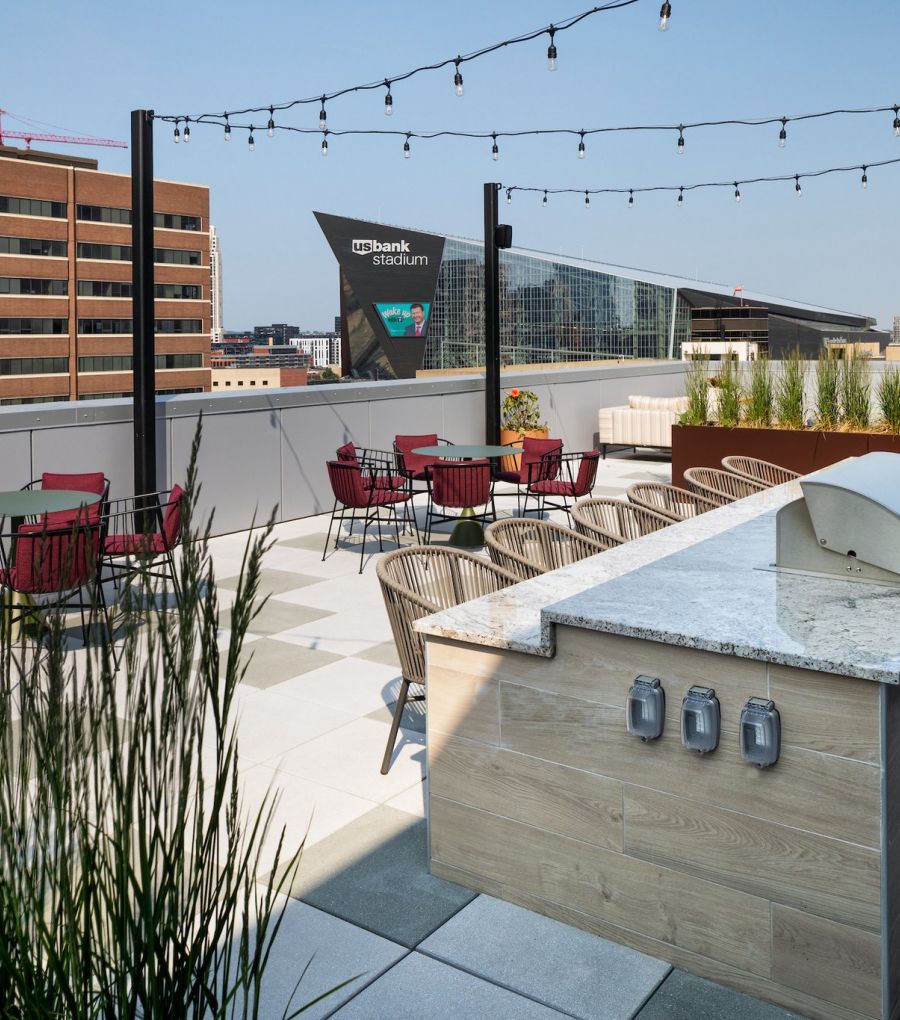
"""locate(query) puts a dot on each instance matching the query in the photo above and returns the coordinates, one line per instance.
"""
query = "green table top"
(467, 452)
(34, 502)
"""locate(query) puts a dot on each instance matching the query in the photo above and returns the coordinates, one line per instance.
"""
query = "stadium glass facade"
(550, 311)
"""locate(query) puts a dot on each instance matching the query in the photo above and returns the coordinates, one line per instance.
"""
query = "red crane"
(37, 136)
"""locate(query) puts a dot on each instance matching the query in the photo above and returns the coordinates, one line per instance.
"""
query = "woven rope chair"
(722, 487)
(529, 548)
(762, 472)
(614, 521)
(417, 582)
(668, 500)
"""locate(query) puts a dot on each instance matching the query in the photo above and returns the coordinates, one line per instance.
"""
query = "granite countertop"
(704, 583)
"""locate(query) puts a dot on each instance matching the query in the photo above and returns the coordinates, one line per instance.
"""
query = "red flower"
(513, 393)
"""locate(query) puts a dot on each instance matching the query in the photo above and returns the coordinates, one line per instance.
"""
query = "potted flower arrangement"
(520, 417)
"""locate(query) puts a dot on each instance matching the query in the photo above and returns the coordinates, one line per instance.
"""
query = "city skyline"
(835, 246)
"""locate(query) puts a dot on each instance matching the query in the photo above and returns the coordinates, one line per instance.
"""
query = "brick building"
(65, 281)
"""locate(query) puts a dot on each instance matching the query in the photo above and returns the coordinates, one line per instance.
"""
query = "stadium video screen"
(403, 318)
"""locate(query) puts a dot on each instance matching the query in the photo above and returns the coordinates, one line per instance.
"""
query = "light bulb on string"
(897, 121)
(737, 192)
(176, 137)
(864, 180)
(325, 144)
(544, 200)
(551, 51)
(251, 145)
(509, 196)
(665, 12)
(323, 116)
(187, 130)
(406, 148)
(227, 129)
(587, 200)
(388, 99)
(798, 191)
(270, 127)
(782, 134)
(457, 78)
(679, 145)
(630, 199)
(581, 147)
(495, 150)
(680, 201)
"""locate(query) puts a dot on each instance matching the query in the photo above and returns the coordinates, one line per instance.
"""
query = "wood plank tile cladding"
(768, 880)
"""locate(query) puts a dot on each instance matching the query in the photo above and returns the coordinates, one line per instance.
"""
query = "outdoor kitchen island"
(780, 881)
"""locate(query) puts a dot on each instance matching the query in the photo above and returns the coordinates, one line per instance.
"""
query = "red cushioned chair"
(414, 465)
(563, 478)
(57, 567)
(142, 534)
(459, 485)
(90, 481)
(368, 459)
(531, 464)
(364, 500)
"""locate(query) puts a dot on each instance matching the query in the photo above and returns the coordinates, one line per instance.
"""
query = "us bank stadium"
(412, 300)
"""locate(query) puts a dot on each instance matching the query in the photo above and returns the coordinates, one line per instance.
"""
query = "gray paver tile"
(684, 996)
(419, 988)
(563, 967)
(273, 662)
(413, 715)
(385, 653)
(310, 543)
(275, 617)
(374, 873)
(338, 951)
(273, 582)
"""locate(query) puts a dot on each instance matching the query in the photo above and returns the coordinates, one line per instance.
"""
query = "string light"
(187, 130)
(544, 202)
(682, 189)
(325, 144)
(864, 180)
(457, 77)
(176, 137)
(495, 150)
(250, 143)
(270, 127)
(897, 121)
(388, 99)
(665, 12)
(581, 147)
(551, 51)
(227, 129)
(679, 146)
(323, 116)
(782, 134)
(587, 200)
(406, 148)
(509, 196)
(680, 201)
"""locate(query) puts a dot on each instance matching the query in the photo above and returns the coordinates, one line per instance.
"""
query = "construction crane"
(37, 136)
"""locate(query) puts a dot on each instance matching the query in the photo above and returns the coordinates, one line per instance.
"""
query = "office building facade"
(66, 282)
(216, 325)
(412, 300)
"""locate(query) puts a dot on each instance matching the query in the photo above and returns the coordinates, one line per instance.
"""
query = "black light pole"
(491, 317)
(143, 293)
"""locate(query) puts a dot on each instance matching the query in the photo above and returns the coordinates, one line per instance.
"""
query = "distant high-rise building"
(279, 333)
(323, 350)
(895, 332)
(216, 326)
(337, 325)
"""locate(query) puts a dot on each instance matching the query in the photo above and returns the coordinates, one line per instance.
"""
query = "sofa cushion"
(676, 404)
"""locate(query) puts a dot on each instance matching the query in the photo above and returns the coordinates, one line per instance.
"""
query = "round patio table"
(34, 502)
(468, 532)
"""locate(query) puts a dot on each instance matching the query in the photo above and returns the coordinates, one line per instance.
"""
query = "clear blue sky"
(85, 66)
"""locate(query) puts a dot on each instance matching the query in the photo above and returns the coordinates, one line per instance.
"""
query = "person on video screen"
(417, 326)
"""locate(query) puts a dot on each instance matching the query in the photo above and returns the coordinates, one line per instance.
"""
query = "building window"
(91, 326)
(33, 287)
(34, 366)
(32, 207)
(104, 252)
(33, 327)
(104, 288)
(32, 246)
(105, 396)
(179, 360)
(11, 401)
(177, 256)
(124, 362)
(179, 291)
(176, 221)
(102, 214)
(179, 326)
(227, 383)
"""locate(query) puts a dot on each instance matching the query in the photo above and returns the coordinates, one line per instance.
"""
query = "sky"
(88, 65)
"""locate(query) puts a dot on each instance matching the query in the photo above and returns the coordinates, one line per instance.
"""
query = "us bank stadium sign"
(388, 253)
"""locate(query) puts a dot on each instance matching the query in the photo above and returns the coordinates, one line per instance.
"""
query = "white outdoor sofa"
(645, 421)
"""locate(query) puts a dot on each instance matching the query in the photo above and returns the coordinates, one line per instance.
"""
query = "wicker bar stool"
(668, 500)
(529, 548)
(762, 472)
(722, 487)
(417, 582)
(615, 521)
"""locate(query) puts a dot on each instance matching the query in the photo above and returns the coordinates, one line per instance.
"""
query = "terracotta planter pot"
(512, 463)
(800, 450)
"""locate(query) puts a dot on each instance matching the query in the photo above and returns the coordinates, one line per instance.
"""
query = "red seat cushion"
(384, 497)
(134, 545)
(552, 487)
(384, 482)
(509, 476)
(91, 481)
